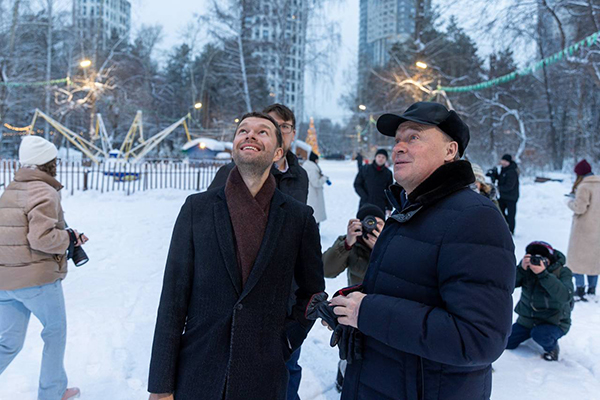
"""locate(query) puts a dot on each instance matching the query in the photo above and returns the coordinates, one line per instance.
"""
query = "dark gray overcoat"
(215, 339)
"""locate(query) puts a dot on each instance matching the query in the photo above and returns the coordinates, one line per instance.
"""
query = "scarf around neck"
(249, 216)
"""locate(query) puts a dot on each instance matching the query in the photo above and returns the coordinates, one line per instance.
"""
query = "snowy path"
(112, 300)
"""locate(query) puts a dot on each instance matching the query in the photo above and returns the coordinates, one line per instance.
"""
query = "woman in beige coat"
(316, 180)
(583, 256)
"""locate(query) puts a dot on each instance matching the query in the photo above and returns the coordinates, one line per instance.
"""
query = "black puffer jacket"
(438, 309)
(508, 182)
(293, 182)
(371, 183)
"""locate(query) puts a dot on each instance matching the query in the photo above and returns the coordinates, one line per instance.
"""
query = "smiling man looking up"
(223, 330)
(435, 309)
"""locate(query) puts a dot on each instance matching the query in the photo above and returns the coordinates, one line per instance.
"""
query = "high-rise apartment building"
(383, 23)
(99, 20)
(278, 29)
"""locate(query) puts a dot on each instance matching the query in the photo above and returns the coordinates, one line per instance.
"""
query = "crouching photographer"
(34, 243)
(546, 299)
(352, 252)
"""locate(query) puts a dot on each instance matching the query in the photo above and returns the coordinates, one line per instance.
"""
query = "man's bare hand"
(347, 308)
(353, 232)
(161, 396)
(371, 239)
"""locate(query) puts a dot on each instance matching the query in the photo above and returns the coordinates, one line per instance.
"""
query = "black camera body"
(76, 253)
(536, 260)
(369, 224)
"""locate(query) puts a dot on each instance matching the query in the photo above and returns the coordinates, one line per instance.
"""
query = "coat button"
(239, 306)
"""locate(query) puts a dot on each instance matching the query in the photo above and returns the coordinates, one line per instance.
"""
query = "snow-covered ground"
(112, 300)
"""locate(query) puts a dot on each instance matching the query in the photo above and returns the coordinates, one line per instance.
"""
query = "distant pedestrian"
(316, 180)
(508, 185)
(373, 180)
(583, 254)
(359, 160)
(34, 246)
(546, 299)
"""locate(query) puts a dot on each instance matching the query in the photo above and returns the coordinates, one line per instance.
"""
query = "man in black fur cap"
(435, 308)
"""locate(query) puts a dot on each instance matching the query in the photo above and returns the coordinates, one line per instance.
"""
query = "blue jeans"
(545, 335)
(48, 305)
(295, 371)
(580, 280)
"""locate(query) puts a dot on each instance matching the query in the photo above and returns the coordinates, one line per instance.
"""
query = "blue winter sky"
(323, 95)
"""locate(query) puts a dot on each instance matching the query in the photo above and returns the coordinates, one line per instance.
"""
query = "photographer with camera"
(34, 248)
(352, 252)
(546, 299)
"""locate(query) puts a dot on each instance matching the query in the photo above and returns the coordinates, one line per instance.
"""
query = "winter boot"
(591, 290)
(552, 355)
(580, 294)
(71, 393)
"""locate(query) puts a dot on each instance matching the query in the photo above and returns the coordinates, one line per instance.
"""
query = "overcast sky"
(322, 96)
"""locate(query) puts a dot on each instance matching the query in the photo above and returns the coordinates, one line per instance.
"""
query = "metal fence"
(110, 176)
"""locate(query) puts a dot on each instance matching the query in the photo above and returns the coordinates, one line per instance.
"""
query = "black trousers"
(509, 210)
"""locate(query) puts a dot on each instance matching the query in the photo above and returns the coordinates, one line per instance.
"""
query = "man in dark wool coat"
(223, 330)
(436, 308)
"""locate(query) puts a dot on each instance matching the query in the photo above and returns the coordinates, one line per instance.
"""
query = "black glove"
(318, 307)
(492, 173)
(350, 338)
(350, 344)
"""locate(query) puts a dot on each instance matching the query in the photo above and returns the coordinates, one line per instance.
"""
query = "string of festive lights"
(586, 42)
(42, 83)
(16, 128)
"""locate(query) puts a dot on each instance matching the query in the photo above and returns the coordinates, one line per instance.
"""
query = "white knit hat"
(35, 150)
(478, 172)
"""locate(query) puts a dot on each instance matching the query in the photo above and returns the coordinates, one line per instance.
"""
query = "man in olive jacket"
(352, 251)
(546, 299)
(223, 330)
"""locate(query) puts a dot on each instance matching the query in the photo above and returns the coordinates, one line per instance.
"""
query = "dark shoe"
(592, 290)
(339, 381)
(553, 354)
(580, 294)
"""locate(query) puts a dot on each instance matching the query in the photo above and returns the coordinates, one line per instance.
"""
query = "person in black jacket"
(508, 185)
(290, 177)
(223, 329)
(546, 299)
(373, 180)
(435, 309)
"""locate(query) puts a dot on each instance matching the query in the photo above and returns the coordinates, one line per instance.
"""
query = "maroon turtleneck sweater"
(249, 216)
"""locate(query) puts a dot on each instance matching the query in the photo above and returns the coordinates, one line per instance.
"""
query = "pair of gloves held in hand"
(347, 338)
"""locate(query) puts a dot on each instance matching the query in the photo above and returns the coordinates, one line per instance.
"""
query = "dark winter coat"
(338, 258)
(546, 298)
(216, 339)
(438, 309)
(371, 183)
(508, 182)
(293, 182)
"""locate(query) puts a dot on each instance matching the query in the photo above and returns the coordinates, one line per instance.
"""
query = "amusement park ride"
(133, 149)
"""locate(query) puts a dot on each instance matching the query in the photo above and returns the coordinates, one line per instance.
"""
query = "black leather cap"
(428, 113)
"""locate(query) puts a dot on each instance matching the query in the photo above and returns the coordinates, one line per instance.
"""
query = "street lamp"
(362, 107)
(236, 120)
(421, 64)
(85, 63)
(198, 105)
